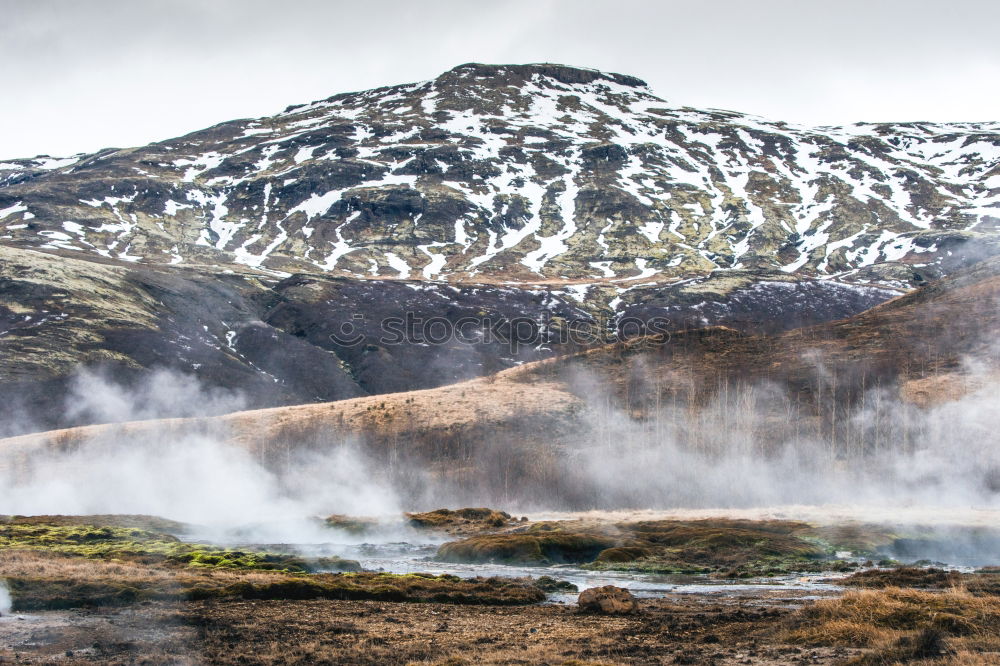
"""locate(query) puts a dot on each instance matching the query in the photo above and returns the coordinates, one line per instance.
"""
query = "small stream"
(409, 557)
(963, 537)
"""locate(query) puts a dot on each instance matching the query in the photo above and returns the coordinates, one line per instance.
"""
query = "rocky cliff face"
(565, 196)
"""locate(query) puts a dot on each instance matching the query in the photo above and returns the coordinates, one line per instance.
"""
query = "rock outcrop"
(609, 600)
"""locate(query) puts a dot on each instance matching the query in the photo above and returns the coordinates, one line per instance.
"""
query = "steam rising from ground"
(93, 398)
(753, 447)
(750, 445)
(193, 475)
(5, 602)
(200, 480)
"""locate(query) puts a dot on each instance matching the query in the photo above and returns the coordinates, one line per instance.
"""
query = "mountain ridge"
(508, 170)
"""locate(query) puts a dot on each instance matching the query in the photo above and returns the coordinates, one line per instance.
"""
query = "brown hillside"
(914, 346)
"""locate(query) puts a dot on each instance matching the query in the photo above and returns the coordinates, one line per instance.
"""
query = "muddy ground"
(677, 629)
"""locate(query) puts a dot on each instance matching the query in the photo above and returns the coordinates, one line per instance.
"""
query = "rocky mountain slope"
(570, 198)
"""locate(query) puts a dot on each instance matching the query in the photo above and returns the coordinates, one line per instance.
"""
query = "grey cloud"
(83, 75)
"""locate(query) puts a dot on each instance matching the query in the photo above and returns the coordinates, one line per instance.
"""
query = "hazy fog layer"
(749, 448)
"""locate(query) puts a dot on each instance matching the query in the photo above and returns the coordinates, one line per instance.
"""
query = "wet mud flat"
(681, 628)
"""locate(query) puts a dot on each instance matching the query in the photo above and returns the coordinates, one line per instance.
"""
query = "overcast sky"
(79, 75)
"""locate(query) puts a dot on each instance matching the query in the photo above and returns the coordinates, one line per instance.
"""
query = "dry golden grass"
(846, 632)
(483, 401)
(946, 387)
(965, 658)
(904, 625)
(472, 402)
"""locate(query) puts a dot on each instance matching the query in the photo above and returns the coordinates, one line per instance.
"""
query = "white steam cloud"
(5, 600)
(192, 476)
(198, 479)
(753, 447)
(94, 398)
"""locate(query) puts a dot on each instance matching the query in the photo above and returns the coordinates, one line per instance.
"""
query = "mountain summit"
(522, 173)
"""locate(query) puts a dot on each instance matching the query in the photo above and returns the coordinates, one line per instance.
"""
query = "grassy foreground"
(123, 590)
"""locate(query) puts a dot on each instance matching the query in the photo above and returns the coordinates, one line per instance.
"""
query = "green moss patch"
(32, 593)
(104, 541)
(727, 548)
(68, 564)
(520, 548)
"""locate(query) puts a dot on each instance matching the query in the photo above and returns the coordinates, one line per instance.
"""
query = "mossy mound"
(101, 587)
(56, 566)
(859, 538)
(351, 524)
(979, 583)
(622, 554)
(550, 584)
(237, 559)
(532, 549)
(903, 577)
(730, 548)
(735, 548)
(35, 594)
(460, 520)
(140, 545)
(137, 521)
(384, 587)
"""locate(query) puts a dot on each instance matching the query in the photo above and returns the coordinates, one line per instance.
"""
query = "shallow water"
(410, 557)
(965, 537)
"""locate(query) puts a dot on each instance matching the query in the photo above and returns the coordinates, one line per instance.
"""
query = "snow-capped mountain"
(570, 198)
(521, 173)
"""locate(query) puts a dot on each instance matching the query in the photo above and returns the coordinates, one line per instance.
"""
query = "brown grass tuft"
(902, 625)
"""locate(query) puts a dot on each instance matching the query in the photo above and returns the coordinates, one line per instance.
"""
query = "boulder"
(609, 599)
